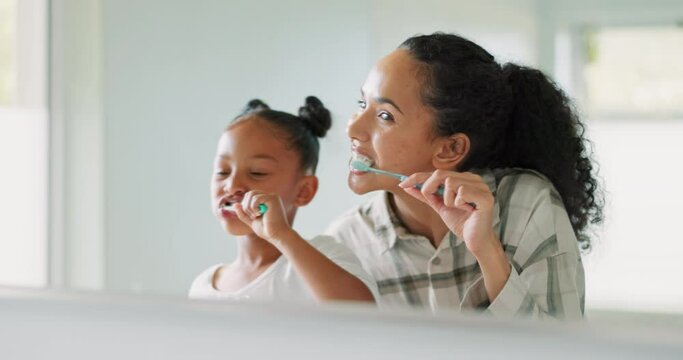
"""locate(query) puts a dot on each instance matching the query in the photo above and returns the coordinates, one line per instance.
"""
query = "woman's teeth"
(362, 158)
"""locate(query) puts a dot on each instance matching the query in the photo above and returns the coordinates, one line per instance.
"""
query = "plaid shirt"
(547, 276)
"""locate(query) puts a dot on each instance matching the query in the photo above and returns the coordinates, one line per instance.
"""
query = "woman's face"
(392, 128)
(250, 157)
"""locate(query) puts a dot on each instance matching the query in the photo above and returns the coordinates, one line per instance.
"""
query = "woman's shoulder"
(360, 216)
(328, 245)
(525, 185)
(532, 214)
(345, 258)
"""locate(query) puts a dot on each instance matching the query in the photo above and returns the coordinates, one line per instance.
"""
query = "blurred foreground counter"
(42, 324)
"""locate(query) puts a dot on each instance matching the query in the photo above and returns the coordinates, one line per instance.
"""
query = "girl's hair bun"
(254, 105)
(315, 116)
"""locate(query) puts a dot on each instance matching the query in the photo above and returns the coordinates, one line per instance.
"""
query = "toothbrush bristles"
(360, 166)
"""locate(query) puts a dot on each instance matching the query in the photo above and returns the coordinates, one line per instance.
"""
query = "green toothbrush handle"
(262, 208)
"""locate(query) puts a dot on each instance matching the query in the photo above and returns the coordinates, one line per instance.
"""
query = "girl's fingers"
(245, 203)
(251, 202)
(256, 202)
(242, 215)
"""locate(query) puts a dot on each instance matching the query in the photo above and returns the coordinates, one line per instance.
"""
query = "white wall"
(507, 29)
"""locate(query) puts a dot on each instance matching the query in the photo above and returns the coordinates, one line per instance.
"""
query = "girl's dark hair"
(302, 132)
(515, 116)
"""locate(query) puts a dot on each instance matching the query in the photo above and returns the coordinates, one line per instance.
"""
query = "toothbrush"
(262, 208)
(361, 166)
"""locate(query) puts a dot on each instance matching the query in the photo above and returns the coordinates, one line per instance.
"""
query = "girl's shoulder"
(203, 283)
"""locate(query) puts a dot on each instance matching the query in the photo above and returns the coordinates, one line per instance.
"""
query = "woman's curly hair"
(515, 116)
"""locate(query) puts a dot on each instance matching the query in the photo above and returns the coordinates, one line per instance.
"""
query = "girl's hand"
(473, 224)
(271, 226)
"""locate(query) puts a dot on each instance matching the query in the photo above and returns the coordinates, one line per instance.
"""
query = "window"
(632, 81)
(23, 143)
(634, 71)
(7, 52)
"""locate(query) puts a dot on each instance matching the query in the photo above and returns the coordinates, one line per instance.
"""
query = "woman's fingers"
(473, 197)
(411, 183)
(460, 202)
(430, 187)
(414, 179)
(449, 193)
(416, 193)
(460, 190)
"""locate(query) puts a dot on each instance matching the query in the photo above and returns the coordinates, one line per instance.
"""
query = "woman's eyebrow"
(383, 100)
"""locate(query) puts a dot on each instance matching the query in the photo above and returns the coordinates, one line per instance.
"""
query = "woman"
(507, 153)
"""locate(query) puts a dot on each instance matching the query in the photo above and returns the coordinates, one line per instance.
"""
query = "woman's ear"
(306, 190)
(451, 151)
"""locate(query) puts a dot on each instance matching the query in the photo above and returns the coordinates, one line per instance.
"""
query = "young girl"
(264, 171)
(500, 187)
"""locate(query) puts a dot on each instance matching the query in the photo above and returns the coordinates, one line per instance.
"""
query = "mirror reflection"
(516, 159)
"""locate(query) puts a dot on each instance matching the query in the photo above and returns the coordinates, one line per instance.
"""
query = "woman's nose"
(357, 126)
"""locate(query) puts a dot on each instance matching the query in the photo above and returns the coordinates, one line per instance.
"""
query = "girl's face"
(392, 128)
(251, 156)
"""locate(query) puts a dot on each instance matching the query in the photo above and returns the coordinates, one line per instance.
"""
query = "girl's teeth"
(228, 207)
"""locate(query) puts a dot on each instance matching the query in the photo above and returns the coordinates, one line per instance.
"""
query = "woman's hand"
(271, 226)
(467, 209)
(473, 224)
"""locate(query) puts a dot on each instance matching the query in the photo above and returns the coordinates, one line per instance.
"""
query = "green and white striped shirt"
(547, 278)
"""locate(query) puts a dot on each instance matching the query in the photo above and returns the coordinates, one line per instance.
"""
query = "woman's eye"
(222, 173)
(362, 104)
(386, 116)
(258, 174)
